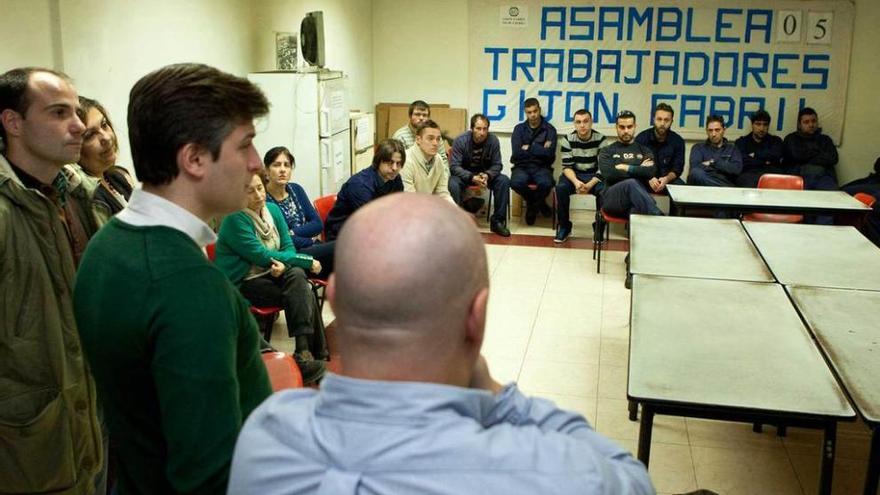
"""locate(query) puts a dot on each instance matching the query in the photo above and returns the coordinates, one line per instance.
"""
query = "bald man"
(415, 409)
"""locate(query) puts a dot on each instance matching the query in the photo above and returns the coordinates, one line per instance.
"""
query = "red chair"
(602, 231)
(283, 371)
(778, 181)
(866, 198)
(265, 316)
(324, 204)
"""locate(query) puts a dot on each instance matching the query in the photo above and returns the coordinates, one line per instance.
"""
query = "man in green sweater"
(173, 347)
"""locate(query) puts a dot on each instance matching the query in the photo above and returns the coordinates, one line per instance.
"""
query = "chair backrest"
(780, 181)
(283, 371)
(210, 249)
(866, 198)
(324, 204)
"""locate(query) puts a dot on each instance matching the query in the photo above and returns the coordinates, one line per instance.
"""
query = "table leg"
(645, 434)
(827, 470)
(871, 478)
(633, 410)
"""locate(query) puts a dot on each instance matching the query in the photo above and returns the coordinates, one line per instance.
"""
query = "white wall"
(348, 39)
(860, 145)
(420, 51)
(25, 34)
(109, 45)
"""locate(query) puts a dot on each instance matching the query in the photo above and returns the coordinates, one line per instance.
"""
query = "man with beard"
(667, 147)
(476, 160)
(761, 151)
(580, 169)
(626, 167)
(715, 162)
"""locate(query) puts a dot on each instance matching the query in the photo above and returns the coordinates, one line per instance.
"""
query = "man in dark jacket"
(761, 151)
(715, 162)
(811, 154)
(667, 147)
(533, 151)
(626, 167)
(476, 161)
(381, 178)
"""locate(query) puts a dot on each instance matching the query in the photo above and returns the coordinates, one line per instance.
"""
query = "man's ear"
(475, 326)
(11, 122)
(193, 160)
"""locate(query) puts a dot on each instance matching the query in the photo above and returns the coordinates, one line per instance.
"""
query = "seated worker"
(715, 162)
(811, 154)
(416, 409)
(626, 167)
(418, 112)
(533, 151)
(381, 178)
(580, 151)
(869, 185)
(303, 221)
(255, 251)
(476, 160)
(425, 172)
(667, 147)
(761, 151)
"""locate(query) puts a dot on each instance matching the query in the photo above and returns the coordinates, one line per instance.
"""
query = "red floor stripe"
(547, 241)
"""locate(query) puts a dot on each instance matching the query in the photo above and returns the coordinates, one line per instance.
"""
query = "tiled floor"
(562, 332)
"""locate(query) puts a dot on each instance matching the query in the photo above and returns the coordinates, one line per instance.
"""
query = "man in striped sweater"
(580, 150)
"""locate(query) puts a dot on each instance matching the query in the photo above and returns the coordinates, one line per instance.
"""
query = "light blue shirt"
(373, 437)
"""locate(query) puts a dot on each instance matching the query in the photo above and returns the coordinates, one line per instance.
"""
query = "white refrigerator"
(308, 115)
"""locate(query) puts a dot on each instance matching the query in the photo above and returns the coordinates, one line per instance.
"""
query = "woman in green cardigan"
(255, 251)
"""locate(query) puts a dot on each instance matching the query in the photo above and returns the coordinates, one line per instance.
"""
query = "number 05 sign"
(791, 28)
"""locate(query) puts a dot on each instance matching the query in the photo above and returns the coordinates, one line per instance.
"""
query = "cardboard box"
(382, 111)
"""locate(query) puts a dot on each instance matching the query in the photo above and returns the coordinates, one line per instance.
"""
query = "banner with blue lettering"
(725, 57)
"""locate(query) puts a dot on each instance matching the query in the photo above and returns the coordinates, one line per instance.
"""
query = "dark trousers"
(292, 292)
(701, 176)
(500, 187)
(523, 175)
(564, 190)
(823, 181)
(868, 185)
(323, 252)
(626, 197)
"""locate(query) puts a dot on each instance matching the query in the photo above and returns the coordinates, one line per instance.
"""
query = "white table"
(748, 200)
(728, 350)
(694, 247)
(817, 255)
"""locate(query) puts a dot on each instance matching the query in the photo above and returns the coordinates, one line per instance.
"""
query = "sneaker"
(546, 210)
(531, 215)
(473, 205)
(312, 371)
(499, 228)
(562, 234)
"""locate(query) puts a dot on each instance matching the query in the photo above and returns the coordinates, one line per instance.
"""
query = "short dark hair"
(264, 176)
(386, 150)
(531, 102)
(479, 116)
(418, 104)
(663, 107)
(272, 154)
(583, 111)
(181, 104)
(428, 124)
(624, 114)
(86, 104)
(760, 116)
(13, 90)
(715, 118)
(806, 111)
